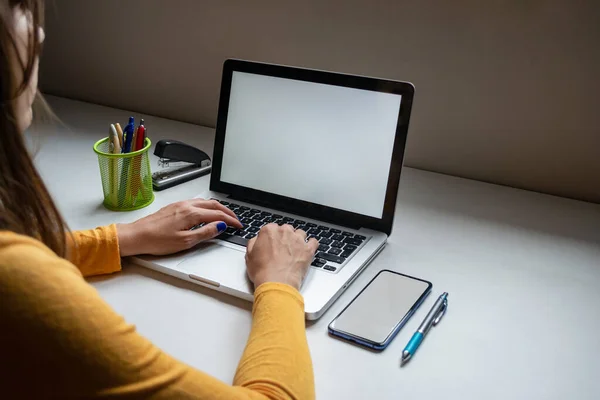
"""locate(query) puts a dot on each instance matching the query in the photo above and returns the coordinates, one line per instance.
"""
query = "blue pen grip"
(414, 343)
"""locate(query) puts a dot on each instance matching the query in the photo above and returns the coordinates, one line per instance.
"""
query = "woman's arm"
(95, 251)
(99, 251)
(61, 335)
(277, 329)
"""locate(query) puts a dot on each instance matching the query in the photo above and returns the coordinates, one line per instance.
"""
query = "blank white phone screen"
(320, 143)
(374, 314)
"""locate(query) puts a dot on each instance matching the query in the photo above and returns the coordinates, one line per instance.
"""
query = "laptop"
(318, 150)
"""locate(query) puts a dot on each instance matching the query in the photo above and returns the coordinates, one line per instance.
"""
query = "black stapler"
(196, 163)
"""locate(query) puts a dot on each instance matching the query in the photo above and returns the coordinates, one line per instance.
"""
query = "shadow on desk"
(133, 269)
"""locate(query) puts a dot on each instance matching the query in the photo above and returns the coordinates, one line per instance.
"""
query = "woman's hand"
(279, 254)
(168, 230)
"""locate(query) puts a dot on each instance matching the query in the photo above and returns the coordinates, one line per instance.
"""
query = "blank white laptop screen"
(320, 143)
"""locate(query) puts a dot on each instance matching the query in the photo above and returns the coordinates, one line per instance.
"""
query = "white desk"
(522, 269)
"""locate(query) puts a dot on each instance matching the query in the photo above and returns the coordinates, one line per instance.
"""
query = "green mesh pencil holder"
(126, 178)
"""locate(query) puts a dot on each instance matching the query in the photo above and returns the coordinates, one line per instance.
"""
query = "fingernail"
(221, 226)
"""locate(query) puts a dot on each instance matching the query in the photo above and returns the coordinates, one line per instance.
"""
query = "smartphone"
(380, 310)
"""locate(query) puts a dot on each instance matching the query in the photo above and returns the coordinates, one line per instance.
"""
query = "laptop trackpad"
(219, 264)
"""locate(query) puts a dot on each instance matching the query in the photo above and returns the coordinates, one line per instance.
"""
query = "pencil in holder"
(126, 178)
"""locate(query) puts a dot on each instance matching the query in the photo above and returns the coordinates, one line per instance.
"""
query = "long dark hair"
(25, 204)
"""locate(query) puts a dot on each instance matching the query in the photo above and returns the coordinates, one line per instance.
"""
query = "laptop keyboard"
(336, 246)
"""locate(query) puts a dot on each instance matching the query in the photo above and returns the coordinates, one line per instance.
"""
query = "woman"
(58, 338)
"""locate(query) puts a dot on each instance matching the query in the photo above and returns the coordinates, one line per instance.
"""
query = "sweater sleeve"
(95, 251)
(60, 334)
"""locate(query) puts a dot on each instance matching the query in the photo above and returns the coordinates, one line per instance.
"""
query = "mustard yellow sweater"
(58, 338)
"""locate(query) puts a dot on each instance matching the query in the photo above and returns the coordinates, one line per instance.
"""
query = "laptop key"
(250, 235)
(350, 247)
(332, 230)
(253, 229)
(326, 234)
(346, 254)
(347, 234)
(330, 257)
(230, 230)
(313, 231)
(311, 225)
(324, 240)
(223, 202)
(338, 245)
(335, 251)
(359, 237)
(318, 263)
(338, 237)
(353, 241)
(323, 247)
(323, 228)
(239, 233)
(257, 223)
(329, 268)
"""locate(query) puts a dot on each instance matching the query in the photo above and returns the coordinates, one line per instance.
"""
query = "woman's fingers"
(313, 245)
(211, 205)
(300, 233)
(207, 232)
(206, 216)
(250, 245)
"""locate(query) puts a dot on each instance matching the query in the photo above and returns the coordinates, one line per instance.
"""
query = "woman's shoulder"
(21, 255)
(10, 241)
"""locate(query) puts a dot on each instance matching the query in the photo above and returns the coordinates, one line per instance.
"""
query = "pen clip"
(441, 313)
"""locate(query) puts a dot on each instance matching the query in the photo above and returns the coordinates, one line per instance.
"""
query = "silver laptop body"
(319, 150)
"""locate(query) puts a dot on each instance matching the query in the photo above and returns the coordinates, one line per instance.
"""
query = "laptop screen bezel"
(300, 207)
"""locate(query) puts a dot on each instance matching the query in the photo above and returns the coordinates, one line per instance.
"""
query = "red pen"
(139, 145)
(141, 136)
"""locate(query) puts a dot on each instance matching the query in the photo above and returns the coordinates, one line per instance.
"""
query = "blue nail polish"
(221, 226)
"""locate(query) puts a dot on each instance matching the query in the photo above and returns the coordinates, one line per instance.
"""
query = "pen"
(433, 318)
(114, 148)
(114, 139)
(128, 135)
(120, 134)
(131, 177)
(133, 140)
(140, 134)
(127, 138)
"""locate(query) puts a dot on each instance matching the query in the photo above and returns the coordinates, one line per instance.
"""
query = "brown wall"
(506, 91)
